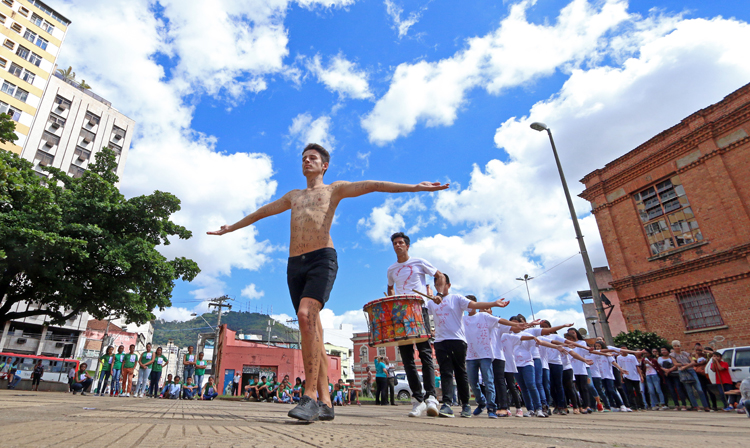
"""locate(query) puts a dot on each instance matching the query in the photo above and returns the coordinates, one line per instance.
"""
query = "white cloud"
(174, 313)
(341, 76)
(304, 130)
(223, 49)
(560, 317)
(387, 219)
(251, 292)
(402, 25)
(516, 214)
(515, 53)
(356, 318)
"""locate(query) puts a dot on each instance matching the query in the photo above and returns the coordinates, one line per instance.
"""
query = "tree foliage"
(638, 339)
(76, 244)
(7, 129)
(186, 333)
(67, 73)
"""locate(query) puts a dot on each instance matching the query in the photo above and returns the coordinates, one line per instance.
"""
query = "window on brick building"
(699, 309)
(668, 219)
(364, 354)
(381, 351)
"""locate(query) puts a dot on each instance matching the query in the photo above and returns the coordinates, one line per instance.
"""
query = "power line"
(539, 275)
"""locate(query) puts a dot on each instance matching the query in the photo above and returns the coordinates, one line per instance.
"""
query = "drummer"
(405, 275)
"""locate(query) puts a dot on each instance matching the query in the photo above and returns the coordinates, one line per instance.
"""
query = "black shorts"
(312, 275)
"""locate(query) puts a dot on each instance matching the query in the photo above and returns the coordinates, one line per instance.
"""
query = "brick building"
(674, 216)
(364, 356)
(253, 359)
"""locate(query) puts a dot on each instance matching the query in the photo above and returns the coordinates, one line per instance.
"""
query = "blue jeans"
(600, 390)
(115, 385)
(556, 383)
(697, 385)
(654, 390)
(187, 394)
(472, 369)
(210, 395)
(143, 375)
(547, 386)
(539, 379)
(14, 382)
(593, 393)
(198, 381)
(526, 378)
(188, 372)
(612, 395)
(103, 378)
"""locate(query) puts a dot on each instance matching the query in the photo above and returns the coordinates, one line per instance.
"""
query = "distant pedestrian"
(381, 382)
(209, 391)
(159, 362)
(13, 376)
(391, 381)
(367, 383)
(107, 360)
(36, 375)
(200, 371)
(236, 384)
(144, 372)
(189, 362)
(115, 388)
(128, 367)
(71, 378)
(189, 389)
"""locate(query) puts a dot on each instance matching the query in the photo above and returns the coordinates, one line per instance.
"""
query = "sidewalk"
(30, 419)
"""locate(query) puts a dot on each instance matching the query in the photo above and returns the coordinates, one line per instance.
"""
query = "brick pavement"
(29, 419)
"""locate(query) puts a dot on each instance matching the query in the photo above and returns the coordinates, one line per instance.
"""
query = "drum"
(396, 320)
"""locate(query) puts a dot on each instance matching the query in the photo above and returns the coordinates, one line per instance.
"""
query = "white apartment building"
(34, 335)
(31, 36)
(72, 125)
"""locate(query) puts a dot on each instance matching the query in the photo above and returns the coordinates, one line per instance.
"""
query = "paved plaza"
(30, 419)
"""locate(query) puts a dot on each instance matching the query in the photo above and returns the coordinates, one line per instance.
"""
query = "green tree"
(83, 85)
(638, 339)
(7, 129)
(76, 244)
(68, 73)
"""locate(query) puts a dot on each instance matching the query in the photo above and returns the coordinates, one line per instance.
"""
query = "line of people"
(269, 390)
(118, 370)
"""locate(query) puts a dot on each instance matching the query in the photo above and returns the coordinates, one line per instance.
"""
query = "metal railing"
(86, 91)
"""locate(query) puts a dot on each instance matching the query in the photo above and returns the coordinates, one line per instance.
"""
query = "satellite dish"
(583, 331)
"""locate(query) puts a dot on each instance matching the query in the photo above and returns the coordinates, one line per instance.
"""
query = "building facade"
(32, 35)
(253, 360)
(364, 356)
(34, 335)
(72, 125)
(674, 217)
(610, 301)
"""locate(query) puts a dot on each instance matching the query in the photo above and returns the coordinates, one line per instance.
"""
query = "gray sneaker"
(326, 412)
(446, 411)
(466, 411)
(307, 410)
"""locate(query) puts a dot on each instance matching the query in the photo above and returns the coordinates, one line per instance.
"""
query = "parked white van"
(738, 359)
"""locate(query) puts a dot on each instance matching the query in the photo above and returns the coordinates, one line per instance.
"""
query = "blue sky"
(226, 93)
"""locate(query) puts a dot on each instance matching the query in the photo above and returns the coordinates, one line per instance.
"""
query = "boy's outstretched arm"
(343, 189)
(280, 205)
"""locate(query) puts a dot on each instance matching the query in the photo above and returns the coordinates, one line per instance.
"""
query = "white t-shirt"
(508, 345)
(594, 368)
(579, 367)
(521, 349)
(629, 363)
(410, 275)
(497, 346)
(566, 359)
(479, 328)
(604, 365)
(546, 352)
(554, 356)
(236, 379)
(448, 317)
(535, 353)
(650, 369)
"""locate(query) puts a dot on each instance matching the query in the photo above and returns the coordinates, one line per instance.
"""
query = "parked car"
(402, 389)
(738, 359)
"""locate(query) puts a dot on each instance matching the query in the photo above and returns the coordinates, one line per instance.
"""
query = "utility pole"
(218, 303)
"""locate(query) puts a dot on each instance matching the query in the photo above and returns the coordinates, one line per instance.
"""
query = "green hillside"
(186, 333)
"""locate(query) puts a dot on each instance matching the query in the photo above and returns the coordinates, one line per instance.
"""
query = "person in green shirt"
(189, 389)
(106, 360)
(209, 391)
(159, 362)
(266, 390)
(297, 390)
(119, 357)
(166, 386)
(200, 370)
(248, 389)
(128, 366)
(189, 361)
(145, 364)
(83, 380)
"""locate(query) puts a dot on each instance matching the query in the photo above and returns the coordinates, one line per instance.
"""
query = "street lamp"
(606, 333)
(526, 279)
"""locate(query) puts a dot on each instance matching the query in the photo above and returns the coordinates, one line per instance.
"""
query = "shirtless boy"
(312, 265)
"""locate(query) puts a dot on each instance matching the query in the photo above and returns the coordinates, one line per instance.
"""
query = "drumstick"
(424, 295)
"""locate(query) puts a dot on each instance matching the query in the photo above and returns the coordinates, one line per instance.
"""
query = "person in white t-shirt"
(404, 276)
(450, 343)
(631, 377)
(479, 328)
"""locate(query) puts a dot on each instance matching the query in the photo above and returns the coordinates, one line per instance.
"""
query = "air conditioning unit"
(92, 123)
(54, 125)
(118, 136)
(86, 139)
(59, 345)
(60, 106)
(49, 143)
(81, 158)
(21, 341)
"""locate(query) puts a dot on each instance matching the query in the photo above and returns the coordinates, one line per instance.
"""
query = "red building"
(674, 216)
(253, 360)
(364, 356)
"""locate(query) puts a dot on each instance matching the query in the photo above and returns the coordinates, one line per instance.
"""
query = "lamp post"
(606, 333)
(526, 279)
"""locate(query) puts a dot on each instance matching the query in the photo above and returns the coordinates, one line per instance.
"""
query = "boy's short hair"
(447, 279)
(471, 297)
(325, 156)
(401, 235)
